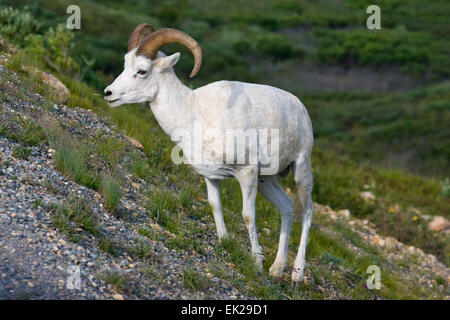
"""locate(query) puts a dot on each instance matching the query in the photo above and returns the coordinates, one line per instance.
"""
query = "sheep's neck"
(171, 105)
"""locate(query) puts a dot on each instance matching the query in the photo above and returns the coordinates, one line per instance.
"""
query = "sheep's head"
(140, 78)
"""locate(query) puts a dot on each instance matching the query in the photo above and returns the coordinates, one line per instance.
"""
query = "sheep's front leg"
(248, 179)
(216, 206)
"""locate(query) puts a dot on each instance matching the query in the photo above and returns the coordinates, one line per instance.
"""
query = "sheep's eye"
(142, 72)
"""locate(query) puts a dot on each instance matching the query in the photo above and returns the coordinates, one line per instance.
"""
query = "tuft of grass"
(32, 134)
(73, 216)
(110, 149)
(108, 246)
(48, 184)
(37, 203)
(243, 261)
(70, 158)
(194, 280)
(139, 166)
(440, 281)
(141, 250)
(161, 206)
(116, 279)
(111, 193)
(21, 152)
(23, 130)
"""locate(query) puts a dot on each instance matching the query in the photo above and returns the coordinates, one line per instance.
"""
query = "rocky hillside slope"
(73, 196)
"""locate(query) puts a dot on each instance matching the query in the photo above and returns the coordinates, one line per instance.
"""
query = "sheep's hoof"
(297, 277)
(276, 271)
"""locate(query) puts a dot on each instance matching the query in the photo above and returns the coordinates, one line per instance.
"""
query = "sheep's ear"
(167, 62)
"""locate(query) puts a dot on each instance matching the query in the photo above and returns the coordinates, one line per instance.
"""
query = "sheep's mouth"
(112, 101)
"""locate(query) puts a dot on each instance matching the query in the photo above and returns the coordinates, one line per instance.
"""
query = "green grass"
(22, 130)
(109, 246)
(193, 280)
(48, 184)
(71, 157)
(110, 149)
(141, 250)
(117, 280)
(21, 152)
(244, 262)
(111, 193)
(37, 203)
(161, 205)
(72, 216)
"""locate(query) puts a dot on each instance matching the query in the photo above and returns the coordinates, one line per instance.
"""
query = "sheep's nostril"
(108, 93)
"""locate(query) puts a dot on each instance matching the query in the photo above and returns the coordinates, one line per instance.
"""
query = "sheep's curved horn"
(138, 35)
(154, 41)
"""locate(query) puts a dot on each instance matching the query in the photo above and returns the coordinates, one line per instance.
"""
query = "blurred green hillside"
(379, 100)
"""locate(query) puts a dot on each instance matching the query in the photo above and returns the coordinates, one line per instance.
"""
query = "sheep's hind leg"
(216, 206)
(303, 179)
(248, 179)
(272, 191)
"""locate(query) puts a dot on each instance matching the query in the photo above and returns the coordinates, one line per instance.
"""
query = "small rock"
(379, 241)
(60, 88)
(344, 213)
(156, 226)
(367, 195)
(438, 224)
(394, 209)
(134, 142)
(118, 296)
(391, 242)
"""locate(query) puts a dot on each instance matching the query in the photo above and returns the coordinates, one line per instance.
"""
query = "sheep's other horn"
(138, 35)
(153, 42)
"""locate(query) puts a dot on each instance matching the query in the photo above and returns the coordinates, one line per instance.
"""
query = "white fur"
(226, 105)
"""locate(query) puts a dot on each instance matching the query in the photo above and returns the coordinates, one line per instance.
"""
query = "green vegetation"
(21, 130)
(118, 280)
(141, 250)
(73, 216)
(404, 130)
(415, 52)
(22, 152)
(71, 157)
(240, 258)
(111, 193)
(194, 280)
(16, 25)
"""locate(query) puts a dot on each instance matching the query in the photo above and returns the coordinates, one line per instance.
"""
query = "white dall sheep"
(219, 107)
